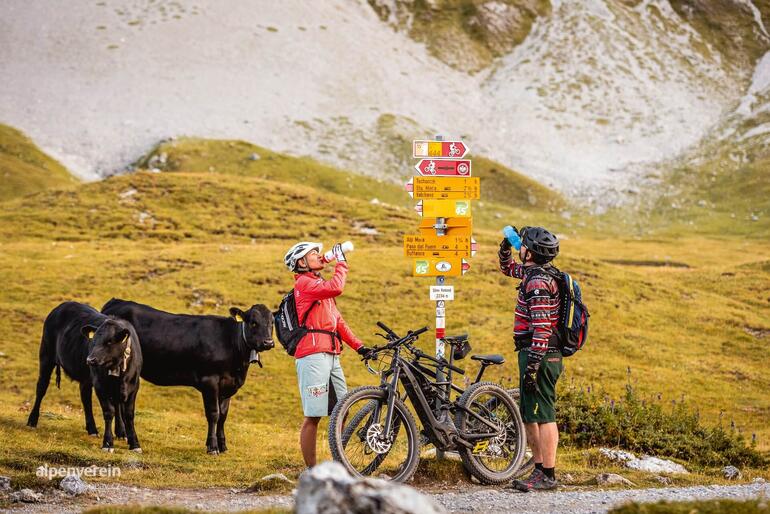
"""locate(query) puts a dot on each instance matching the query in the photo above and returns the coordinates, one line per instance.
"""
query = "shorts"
(540, 407)
(321, 382)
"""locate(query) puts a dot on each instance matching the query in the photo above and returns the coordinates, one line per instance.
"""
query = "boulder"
(26, 496)
(612, 479)
(5, 484)
(74, 485)
(656, 465)
(328, 487)
(643, 463)
(731, 473)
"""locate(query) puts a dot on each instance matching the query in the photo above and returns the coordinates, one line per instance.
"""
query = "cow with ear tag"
(115, 359)
(97, 351)
(210, 353)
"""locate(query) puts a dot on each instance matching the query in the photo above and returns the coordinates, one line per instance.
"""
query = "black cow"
(209, 353)
(98, 351)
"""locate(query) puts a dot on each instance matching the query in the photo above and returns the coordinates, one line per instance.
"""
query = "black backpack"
(573, 314)
(288, 329)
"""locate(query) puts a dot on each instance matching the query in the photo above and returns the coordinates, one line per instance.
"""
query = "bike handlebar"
(386, 329)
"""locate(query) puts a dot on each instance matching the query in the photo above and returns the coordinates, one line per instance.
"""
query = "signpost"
(444, 208)
(434, 148)
(443, 168)
(440, 266)
(444, 189)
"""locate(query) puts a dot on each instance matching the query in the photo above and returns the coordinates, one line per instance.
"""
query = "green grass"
(211, 240)
(695, 507)
(455, 31)
(24, 169)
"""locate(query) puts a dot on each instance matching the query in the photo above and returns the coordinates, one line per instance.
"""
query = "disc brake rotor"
(375, 441)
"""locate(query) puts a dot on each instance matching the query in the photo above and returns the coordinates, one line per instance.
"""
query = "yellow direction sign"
(438, 188)
(444, 208)
(451, 226)
(431, 245)
(434, 267)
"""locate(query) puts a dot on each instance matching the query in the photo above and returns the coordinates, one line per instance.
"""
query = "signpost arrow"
(443, 168)
(431, 148)
(431, 245)
(444, 188)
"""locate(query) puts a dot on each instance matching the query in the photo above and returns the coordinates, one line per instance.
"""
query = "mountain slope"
(25, 169)
(577, 95)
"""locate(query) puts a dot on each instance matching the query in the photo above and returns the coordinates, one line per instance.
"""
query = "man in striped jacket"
(535, 337)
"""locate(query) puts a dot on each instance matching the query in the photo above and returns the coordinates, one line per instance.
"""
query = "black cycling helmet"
(543, 245)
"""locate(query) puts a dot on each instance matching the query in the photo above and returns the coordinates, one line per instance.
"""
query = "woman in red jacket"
(320, 376)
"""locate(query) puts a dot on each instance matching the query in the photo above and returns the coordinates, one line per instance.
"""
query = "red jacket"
(309, 289)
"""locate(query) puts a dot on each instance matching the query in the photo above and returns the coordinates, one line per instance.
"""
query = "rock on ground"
(5, 484)
(612, 479)
(328, 487)
(74, 485)
(645, 463)
(731, 473)
(26, 496)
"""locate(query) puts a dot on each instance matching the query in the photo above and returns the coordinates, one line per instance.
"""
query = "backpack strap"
(334, 335)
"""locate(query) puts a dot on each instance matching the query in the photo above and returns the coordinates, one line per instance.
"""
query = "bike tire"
(529, 461)
(337, 442)
(473, 462)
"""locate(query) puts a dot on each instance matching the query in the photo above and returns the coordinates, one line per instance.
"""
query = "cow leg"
(210, 391)
(128, 411)
(120, 417)
(88, 409)
(108, 410)
(47, 363)
(224, 406)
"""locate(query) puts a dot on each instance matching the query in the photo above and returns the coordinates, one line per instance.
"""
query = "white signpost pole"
(440, 316)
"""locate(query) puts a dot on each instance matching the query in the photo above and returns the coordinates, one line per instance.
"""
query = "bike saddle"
(459, 339)
(489, 359)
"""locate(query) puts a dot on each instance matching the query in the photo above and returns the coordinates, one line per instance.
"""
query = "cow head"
(110, 344)
(257, 328)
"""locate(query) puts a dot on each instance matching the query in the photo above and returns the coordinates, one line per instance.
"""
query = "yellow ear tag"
(238, 318)
(91, 334)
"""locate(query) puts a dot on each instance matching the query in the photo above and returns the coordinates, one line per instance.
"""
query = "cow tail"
(58, 376)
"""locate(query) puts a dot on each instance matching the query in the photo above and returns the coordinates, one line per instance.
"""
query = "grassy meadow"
(686, 314)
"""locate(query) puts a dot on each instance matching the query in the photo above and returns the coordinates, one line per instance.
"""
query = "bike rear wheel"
(529, 460)
(355, 436)
(496, 459)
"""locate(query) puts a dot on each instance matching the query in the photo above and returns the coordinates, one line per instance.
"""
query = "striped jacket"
(537, 307)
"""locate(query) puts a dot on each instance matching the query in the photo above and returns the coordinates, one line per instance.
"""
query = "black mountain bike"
(373, 432)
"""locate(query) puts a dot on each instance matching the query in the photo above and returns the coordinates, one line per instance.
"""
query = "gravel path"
(479, 500)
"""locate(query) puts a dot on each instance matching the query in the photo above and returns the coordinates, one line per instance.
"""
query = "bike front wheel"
(357, 436)
(486, 408)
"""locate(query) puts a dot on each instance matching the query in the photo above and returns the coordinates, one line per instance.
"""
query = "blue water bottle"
(512, 235)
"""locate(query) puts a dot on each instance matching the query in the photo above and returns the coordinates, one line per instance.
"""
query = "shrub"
(586, 420)
(701, 507)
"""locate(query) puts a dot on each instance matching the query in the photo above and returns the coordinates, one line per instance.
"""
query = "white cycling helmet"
(298, 251)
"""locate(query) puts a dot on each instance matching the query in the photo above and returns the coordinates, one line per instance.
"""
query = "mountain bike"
(373, 432)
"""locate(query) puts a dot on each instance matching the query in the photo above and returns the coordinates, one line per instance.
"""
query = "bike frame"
(442, 432)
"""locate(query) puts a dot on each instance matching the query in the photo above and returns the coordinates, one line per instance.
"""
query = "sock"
(550, 473)
(539, 465)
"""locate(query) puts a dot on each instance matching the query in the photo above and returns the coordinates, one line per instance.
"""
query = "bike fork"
(392, 396)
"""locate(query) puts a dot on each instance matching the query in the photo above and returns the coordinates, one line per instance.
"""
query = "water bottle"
(513, 237)
(347, 247)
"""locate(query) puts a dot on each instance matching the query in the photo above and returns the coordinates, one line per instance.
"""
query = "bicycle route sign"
(444, 168)
(445, 149)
